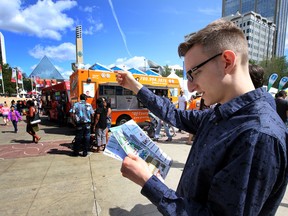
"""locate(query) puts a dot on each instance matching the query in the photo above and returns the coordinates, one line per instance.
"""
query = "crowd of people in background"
(13, 113)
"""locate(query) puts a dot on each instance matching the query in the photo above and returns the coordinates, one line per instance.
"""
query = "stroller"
(150, 128)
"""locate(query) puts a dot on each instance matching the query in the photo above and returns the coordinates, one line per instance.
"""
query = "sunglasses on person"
(189, 72)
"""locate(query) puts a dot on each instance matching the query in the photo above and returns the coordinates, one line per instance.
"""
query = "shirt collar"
(226, 110)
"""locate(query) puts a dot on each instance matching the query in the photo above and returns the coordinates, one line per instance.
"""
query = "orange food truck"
(55, 98)
(124, 104)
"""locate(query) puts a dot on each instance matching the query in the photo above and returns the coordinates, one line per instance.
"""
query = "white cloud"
(63, 52)
(43, 19)
(134, 62)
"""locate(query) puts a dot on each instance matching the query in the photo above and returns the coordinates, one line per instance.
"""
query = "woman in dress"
(32, 128)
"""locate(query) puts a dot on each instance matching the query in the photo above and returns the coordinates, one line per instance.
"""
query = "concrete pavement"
(43, 179)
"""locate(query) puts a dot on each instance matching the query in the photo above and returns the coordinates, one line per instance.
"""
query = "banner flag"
(1, 76)
(14, 76)
(273, 77)
(184, 72)
(47, 83)
(282, 82)
(20, 77)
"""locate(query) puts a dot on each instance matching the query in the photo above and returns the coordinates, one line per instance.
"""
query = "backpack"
(81, 113)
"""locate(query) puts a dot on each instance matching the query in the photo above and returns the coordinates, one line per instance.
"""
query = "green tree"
(9, 87)
(167, 71)
(277, 65)
(179, 72)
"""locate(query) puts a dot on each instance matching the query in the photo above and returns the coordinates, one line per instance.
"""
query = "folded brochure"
(130, 138)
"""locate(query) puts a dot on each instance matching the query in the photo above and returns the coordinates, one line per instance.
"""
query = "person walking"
(82, 113)
(182, 103)
(100, 123)
(14, 116)
(238, 164)
(5, 111)
(282, 105)
(32, 128)
(158, 130)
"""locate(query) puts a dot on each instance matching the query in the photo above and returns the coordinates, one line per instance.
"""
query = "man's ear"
(230, 61)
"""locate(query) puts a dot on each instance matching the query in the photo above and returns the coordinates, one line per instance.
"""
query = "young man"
(182, 103)
(82, 113)
(238, 162)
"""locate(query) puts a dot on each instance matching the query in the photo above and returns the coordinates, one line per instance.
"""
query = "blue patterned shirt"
(82, 111)
(237, 164)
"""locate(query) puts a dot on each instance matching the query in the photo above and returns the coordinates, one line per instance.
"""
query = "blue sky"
(115, 32)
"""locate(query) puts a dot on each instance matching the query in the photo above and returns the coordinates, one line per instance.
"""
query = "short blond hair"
(216, 37)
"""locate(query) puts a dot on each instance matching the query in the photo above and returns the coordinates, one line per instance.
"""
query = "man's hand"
(126, 80)
(135, 169)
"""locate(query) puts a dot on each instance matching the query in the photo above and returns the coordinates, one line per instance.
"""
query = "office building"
(275, 11)
(2, 49)
(259, 33)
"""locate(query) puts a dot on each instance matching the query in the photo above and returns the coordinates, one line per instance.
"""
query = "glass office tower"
(274, 10)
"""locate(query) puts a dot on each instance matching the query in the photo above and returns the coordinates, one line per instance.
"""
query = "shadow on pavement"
(11, 131)
(60, 130)
(21, 141)
(60, 152)
(177, 165)
(139, 209)
(284, 205)
(67, 150)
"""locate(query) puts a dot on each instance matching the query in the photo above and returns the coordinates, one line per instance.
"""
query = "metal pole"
(16, 81)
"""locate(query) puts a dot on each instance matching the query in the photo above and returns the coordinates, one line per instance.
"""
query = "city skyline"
(114, 34)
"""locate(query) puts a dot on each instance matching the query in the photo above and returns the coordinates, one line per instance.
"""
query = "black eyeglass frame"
(189, 72)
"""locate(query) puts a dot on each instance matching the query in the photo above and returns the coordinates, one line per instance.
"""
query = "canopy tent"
(98, 66)
(136, 71)
(116, 68)
(23, 92)
(152, 73)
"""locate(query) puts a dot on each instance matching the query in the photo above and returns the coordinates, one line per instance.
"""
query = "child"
(14, 116)
(5, 111)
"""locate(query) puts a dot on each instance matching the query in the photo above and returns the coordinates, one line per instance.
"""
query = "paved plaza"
(44, 179)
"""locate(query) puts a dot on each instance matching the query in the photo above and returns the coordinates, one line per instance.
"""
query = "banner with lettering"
(273, 77)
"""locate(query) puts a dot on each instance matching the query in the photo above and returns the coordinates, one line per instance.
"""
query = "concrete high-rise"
(2, 49)
(259, 33)
(275, 11)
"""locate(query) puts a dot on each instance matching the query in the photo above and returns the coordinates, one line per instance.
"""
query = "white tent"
(23, 92)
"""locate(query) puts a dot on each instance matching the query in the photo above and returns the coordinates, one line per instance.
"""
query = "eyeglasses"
(189, 72)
